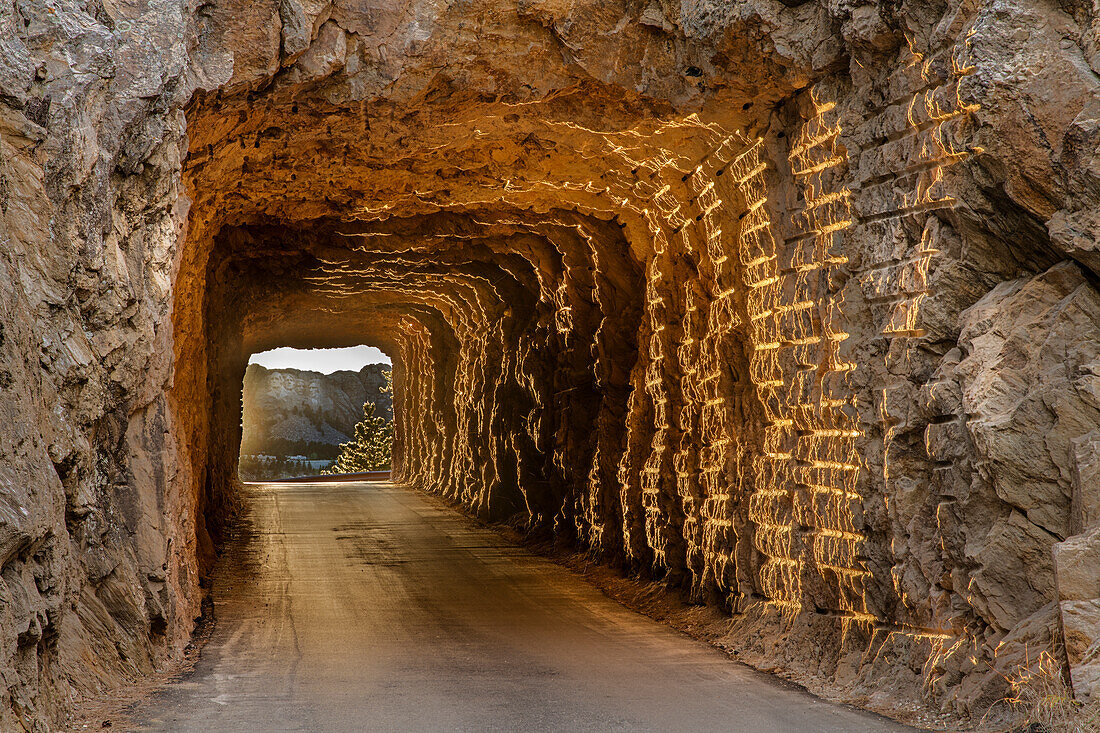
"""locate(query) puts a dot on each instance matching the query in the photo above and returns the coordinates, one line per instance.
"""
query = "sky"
(325, 361)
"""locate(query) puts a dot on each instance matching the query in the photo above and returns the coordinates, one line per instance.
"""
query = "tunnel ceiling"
(790, 305)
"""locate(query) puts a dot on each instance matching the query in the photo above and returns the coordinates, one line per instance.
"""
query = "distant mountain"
(290, 411)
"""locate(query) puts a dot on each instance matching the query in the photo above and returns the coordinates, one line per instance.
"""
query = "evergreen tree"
(372, 446)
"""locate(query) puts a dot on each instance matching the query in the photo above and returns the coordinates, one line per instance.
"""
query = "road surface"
(369, 607)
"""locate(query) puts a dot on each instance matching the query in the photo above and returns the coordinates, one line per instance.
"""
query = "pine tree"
(372, 446)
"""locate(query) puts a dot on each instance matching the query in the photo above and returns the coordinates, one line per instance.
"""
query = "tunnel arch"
(564, 226)
(590, 257)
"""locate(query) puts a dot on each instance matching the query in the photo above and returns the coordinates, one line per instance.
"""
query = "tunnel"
(612, 323)
(790, 308)
(522, 307)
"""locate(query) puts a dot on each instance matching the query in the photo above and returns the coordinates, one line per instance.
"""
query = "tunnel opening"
(574, 345)
(512, 328)
(315, 411)
(603, 328)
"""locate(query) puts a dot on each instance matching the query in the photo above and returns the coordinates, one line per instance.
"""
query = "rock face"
(793, 304)
(303, 406)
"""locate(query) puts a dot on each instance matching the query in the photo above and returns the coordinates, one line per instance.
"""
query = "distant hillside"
(290, 412)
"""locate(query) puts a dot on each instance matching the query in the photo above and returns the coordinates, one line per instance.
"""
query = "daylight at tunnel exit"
(554, 365)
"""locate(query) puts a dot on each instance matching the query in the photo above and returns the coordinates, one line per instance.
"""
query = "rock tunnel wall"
(793, 305)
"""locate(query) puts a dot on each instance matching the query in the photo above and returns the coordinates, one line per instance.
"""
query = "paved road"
(367, 607)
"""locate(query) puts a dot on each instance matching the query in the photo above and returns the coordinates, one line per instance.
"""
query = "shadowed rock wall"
(794, 305)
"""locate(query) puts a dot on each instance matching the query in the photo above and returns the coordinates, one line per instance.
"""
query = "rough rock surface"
(794, 304)
(1077, 561)
(304, 406)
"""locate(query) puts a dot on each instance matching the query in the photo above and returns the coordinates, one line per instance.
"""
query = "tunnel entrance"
(613, 322)
(580, 305)
(317, 411)
(598, 330)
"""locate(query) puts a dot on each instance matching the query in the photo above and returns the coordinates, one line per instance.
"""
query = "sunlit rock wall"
(793, 305)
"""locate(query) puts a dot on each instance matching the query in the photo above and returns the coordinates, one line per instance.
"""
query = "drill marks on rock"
(662, 518)
(804, 504)
(919, 128)
(918, 138)
(710, 464)
(770, 503)
(696, 535)
(812, 327)
(931, 137)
